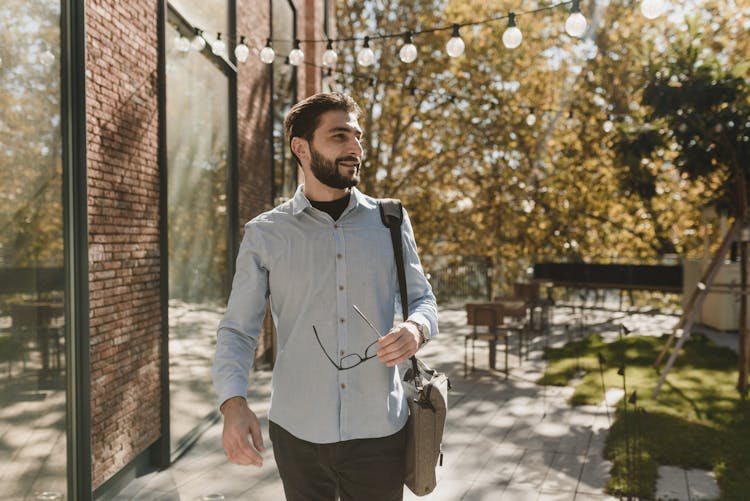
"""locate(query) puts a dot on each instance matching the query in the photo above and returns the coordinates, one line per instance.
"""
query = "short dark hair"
(304, 117)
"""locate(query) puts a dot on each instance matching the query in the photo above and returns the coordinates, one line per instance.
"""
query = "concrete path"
(506, 439)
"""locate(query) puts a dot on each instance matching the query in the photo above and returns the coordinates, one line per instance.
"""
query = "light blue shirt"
(314, 269)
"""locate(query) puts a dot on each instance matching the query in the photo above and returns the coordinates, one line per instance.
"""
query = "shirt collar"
(300, 201)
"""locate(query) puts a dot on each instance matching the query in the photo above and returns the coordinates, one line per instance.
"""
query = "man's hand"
(239, 421)
(399, 344)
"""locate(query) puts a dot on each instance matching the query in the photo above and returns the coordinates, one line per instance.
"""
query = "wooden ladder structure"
(699, 294)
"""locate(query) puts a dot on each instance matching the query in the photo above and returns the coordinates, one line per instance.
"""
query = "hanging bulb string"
(424, 31)
(260, 42)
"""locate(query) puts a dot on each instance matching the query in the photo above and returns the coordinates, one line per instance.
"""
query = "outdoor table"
(38, 319)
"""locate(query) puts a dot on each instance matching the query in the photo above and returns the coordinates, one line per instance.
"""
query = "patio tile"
(672, 484)
(702, 485)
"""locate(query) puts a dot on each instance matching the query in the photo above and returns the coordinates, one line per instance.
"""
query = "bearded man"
(325, 262)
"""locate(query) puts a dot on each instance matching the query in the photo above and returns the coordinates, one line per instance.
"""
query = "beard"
(327, 171)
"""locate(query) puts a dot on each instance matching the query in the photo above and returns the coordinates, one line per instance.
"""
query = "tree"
(30, 138)
(450, 136)
(700, 109)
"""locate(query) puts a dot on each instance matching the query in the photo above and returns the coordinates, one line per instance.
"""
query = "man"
(325, 261)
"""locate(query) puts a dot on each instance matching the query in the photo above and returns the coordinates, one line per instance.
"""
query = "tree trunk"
(744, 345)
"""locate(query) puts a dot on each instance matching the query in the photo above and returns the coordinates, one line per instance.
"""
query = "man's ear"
(300, 147)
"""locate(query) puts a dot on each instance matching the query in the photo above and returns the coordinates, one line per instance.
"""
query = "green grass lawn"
(698, 421)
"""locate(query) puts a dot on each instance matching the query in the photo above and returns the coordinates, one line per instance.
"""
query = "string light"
(329, 56)
(576, 23)
(531, 118)
(652, 8)
(455, 46)
(242, 51)
(296, 57)
(267, 55)
(219, 48)
(512, 36)
(575, 26)
(608, 125)
(408, 52)
(181, 43)
(366, 56)
(198, 43)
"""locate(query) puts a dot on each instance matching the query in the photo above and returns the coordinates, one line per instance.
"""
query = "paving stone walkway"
(507, 439)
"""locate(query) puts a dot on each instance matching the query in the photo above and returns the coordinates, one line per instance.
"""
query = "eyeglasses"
(353, 359)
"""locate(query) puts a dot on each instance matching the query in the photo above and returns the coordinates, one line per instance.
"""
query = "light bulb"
(512, 36)
(531, 119)
(198, 43)
(366, 56)
(329, 56)
(47, 58)
(575, 25)
(652, 8)
(241, 51)
(408, 52)
(267, 55)
(181, 44)
(219, 47)
(455, 46)
(296, 57)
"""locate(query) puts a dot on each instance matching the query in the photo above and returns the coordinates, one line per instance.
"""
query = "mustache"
(348, 159)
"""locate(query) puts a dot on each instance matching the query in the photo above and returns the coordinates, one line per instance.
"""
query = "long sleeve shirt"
(314, 269)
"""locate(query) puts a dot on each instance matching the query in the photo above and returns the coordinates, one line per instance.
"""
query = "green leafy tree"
(699, 107)
(451, 137)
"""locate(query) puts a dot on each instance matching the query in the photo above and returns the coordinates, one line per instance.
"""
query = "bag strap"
(392, 215)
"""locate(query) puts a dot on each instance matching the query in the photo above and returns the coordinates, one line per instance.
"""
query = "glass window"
(284, 96)
(32, 323)
(197, 142)
(209, 15)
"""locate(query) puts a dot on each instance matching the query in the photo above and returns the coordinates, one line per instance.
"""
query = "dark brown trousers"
(353, 470)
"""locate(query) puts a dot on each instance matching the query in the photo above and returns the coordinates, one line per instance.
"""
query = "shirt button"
(341, 287)
(343, 386)
(339, 256)
(336, 226)
(341, 320)
(341, 353)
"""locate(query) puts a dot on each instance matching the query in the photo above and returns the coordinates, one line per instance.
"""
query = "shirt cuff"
(421, 320)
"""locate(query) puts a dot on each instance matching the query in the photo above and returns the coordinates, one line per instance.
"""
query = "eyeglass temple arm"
(338, 366)
(366, 320)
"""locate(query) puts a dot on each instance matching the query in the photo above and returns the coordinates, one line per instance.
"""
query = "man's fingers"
(396, 346)
(257, 436)
(239, 451)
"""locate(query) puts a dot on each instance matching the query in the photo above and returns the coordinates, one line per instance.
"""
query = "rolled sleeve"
(422, 303)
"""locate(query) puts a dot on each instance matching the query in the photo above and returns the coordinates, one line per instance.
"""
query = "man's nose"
(355, 147)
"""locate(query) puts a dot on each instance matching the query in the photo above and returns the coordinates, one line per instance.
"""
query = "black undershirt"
(334, 208)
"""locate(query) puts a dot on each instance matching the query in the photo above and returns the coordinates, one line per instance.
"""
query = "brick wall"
(310, 18)
(253, 116)
(123, 208)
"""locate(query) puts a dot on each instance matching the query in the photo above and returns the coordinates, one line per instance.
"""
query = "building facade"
(133, 152)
